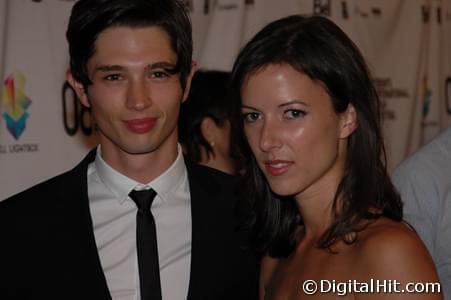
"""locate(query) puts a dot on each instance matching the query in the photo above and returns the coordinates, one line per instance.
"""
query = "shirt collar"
(121, 185)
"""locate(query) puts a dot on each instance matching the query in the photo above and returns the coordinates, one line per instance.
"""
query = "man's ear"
(349, 121)
(78, 88)
(188, 80)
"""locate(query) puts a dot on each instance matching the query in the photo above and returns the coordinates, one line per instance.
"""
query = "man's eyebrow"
(169, 67)
(161, 65)
(106, 68)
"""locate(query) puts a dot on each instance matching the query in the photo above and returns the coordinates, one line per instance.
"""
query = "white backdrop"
(406, 42)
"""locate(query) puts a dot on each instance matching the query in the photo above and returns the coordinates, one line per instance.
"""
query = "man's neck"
(141, 167)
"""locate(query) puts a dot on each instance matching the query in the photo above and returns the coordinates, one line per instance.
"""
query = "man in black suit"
(75, 236)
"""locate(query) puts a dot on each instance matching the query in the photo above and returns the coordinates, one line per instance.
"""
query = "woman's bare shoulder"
(384, 232)
(387, 249)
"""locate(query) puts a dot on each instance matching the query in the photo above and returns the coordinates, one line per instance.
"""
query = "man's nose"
(138, 95)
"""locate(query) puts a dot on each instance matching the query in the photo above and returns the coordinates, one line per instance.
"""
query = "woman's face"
(297, 138)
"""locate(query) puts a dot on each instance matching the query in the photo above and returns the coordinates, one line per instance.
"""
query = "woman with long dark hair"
(323, 205)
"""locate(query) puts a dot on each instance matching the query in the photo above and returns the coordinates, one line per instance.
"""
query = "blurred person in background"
(204, 123)
(424, 182)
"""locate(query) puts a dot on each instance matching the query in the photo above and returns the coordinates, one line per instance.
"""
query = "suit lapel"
(75, 192)
(209, 231)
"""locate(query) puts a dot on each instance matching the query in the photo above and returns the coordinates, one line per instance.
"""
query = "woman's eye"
(251, 117)
(294, 113)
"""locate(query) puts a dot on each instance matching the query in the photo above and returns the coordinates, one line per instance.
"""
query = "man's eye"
(112, 77)
(159, 74)
(251, 117)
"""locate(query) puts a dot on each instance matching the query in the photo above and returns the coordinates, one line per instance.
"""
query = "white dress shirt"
(114, 221)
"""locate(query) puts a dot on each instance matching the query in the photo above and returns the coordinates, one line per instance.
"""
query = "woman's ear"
(207, 128)
(348, 122)
(78, 88)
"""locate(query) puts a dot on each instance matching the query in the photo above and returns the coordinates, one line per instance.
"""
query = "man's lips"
(141, 125)
(277, 167)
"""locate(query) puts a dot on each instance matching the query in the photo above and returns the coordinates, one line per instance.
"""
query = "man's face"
(135, 96)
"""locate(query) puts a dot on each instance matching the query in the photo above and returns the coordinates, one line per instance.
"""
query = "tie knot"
(143, 199)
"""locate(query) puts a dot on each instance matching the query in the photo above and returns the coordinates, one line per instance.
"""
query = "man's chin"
(139, 150)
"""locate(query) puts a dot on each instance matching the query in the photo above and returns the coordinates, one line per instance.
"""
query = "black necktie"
(146, 236)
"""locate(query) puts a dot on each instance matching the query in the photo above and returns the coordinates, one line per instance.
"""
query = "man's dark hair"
(318, 48)
(90, 17)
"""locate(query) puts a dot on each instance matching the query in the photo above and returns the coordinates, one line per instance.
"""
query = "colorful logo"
(15, 104)
(427, 96)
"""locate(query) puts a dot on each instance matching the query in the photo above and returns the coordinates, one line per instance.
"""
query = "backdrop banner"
(45, 131)
(3, 22)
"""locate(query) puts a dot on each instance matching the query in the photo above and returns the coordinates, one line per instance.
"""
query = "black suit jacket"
(48, 249)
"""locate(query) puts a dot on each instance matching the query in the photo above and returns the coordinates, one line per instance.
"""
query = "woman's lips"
(277, 167)
(141, 125)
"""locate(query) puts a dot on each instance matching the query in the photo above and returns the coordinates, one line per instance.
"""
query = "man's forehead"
(151, 41)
